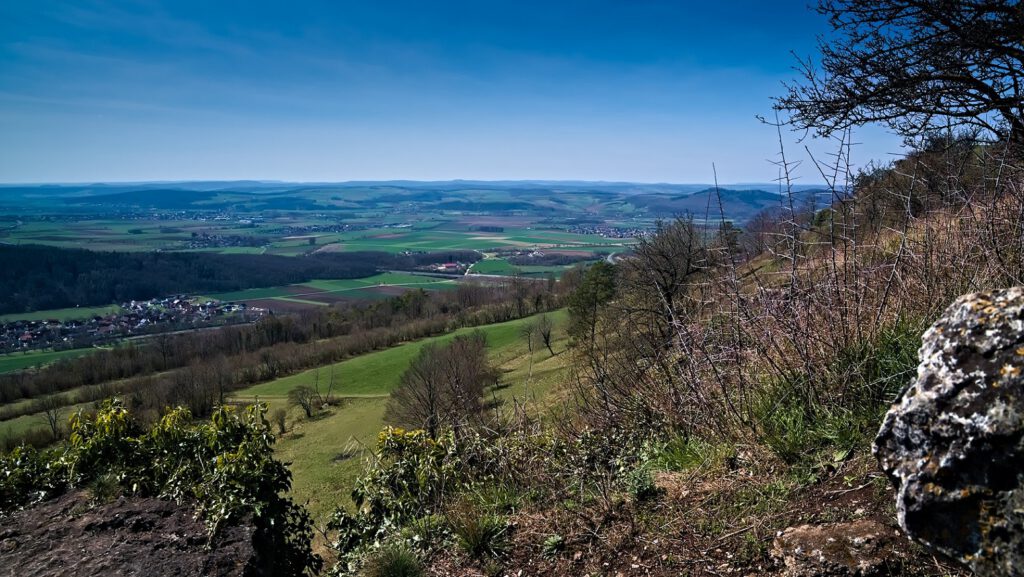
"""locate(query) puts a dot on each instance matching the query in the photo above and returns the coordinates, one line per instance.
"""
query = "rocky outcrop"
(129, 536)
(862, 548)
(953, 444)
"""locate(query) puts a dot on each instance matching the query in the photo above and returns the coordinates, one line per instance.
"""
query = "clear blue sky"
(636, 90)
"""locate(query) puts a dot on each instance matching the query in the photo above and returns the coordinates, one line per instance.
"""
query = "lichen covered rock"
(862, 548)
(953, 444)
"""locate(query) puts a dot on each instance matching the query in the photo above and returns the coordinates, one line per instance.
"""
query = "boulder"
(863, 548)
(131, 536)
(953, 443)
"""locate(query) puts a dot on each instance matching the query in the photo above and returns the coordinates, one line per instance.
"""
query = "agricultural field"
(24, 360)
(462, 235)
(496, 266)
(325, 292)
(70, 314)
(294, 234)
(327, 452)
(110, 234)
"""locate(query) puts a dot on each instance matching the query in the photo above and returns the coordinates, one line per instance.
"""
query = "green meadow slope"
(326, 453)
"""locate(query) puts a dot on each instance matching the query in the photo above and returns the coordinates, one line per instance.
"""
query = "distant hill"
(738, 205)
(565, 199)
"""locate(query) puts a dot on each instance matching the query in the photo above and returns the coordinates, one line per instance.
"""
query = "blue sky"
(632, 90)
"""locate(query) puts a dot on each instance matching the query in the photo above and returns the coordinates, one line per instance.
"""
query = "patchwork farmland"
(326, 292)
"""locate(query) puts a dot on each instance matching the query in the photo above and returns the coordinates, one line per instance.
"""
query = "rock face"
(953, 444)
(130, 536)
(857, 549)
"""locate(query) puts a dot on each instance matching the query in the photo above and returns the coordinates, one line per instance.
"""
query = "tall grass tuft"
(393, 560)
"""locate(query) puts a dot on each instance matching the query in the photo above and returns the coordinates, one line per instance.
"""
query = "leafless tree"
(663, 269)
(443, 386)
(529, 333)
(52, 408)
(915, 63)
(545, 328)
(304, 396)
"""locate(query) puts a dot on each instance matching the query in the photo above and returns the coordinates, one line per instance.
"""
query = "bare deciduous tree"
(52, 408)
(545, 328)
(914, 63)
(443, 386)
(304, 396)
(663, 268)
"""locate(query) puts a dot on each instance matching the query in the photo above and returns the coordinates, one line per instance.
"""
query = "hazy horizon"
(404, 181)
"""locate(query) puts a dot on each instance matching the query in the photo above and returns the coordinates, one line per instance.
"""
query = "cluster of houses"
(135, 318)
(206, 240)
(607, 231)
(447, 267)
(297, 230)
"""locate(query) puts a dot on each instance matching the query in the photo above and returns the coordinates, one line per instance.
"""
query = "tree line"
(43, 277)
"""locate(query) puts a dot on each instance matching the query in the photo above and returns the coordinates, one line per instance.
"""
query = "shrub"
(28, 476)
(411, 478)
(278, 417)
(640, 484)
(226, 466)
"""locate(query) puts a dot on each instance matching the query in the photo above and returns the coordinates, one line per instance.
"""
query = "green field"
(500, 266)
(308, 292)
(36, 422)
(494, 266)
(17, 361)
(283, 233)
(327, 453)
(543, 271)
(21, 425)
(384, 279)
(377, 373)
(456, 235)
(61, 314)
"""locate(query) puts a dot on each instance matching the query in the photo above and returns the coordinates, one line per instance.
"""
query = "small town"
(607, 231)
(135, 318)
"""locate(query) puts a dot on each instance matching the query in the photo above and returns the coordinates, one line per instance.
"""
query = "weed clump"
(393, 560)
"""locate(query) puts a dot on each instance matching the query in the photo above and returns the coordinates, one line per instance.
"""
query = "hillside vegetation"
(328, 452)
(717, 396)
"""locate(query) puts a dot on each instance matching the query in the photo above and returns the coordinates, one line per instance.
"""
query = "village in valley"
(133, 318)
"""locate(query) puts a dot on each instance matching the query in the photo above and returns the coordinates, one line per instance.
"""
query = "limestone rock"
(861, 548)
(953, 444)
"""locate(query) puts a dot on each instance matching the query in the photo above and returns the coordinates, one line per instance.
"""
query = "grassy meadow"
(327, 452)
(68, 314)
(17, 361)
